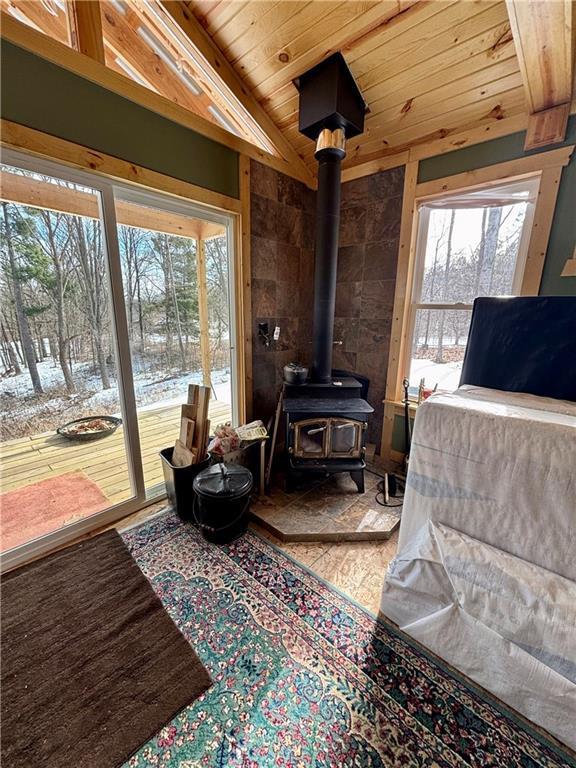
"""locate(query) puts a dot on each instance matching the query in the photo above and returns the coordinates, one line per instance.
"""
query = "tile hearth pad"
(329, 509)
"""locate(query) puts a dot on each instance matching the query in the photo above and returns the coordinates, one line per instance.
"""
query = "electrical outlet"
(263, 334)
(276, 333)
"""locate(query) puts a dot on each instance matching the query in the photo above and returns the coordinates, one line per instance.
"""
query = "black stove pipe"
(329, 153)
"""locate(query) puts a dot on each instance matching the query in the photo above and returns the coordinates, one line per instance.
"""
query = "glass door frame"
(105, 187)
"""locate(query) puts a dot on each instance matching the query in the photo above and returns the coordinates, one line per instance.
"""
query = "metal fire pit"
(112, 421)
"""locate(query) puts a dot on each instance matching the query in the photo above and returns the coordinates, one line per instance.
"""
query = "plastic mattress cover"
(506, 623)
(499, 466)
(485, 572)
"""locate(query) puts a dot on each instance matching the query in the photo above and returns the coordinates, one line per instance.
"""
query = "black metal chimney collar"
(330, 98)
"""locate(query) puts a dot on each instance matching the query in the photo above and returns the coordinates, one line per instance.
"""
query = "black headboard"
(525, 344)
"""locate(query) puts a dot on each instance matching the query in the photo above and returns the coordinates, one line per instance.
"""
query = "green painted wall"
(398, 441)
(563, 233)
(41, 95)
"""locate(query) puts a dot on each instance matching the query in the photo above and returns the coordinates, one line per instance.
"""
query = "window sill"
(399, 405)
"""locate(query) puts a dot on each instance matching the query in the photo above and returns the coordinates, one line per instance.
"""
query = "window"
(176, 271)
(58, 359)
(468, 244)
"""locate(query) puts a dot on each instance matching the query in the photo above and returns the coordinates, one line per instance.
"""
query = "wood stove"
(326, 418)
(326, 430)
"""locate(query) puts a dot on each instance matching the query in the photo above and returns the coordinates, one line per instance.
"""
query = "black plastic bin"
(179, 483)
(221, 506)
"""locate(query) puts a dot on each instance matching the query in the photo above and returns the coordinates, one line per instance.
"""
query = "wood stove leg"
(358, 477)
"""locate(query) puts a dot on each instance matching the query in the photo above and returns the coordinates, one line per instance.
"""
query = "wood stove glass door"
(310, 438)
(345, 438)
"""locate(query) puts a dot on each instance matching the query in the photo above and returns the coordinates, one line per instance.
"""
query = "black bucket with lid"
(222, 501)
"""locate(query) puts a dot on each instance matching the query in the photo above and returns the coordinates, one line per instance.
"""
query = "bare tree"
(135, 259)
(162, 244)
(445, 286)
(93, 273)
(22, 320)
(55, 250)
(488, 248)
(12, 357)
(440, 241)
(217, 279)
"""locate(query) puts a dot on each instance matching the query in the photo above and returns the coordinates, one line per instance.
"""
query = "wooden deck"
(31, 459)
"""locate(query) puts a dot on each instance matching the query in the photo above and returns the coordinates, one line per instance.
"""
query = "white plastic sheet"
(507, 624)
(485, 574)
(500, 467)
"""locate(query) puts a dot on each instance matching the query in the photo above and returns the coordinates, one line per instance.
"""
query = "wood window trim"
(58, 53)
(28, 191)
(87, 28)
(548, 165)
(494, 174)
(42, 145)
(243, 287)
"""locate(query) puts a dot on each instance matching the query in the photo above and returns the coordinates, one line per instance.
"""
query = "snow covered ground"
(446, 375)
(23, 413)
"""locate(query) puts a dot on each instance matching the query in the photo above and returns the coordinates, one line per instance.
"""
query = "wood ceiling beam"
(34, 193)
(547, 127)
(87, 27)
(140, 16)
(189, 25)
(544, 39)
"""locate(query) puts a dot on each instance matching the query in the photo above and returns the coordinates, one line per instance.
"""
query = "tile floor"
(328, 509)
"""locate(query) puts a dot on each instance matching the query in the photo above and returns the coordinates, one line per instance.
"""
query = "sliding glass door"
(176, 277)
(63, 455)
(113, 300)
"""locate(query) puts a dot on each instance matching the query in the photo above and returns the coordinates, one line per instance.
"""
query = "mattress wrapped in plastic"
(486, 569)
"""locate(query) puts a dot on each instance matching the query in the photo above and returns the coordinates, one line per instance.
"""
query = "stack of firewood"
(190, 448)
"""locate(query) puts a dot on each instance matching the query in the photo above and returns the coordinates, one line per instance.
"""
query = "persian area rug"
(303, 678)
(92, 665)
(42, 507)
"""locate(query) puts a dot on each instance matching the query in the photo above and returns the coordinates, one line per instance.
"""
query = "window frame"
(422, 220)
(115, 34)
(89, 66)
(34, 150)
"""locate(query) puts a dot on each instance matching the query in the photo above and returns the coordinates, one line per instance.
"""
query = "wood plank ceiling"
(426, 68)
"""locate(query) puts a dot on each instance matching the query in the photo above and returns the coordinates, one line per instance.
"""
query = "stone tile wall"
(282, 255)
(369, 233)
(282, 241)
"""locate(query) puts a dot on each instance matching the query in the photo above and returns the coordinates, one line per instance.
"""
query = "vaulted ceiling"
(433, 72)
(426, 68)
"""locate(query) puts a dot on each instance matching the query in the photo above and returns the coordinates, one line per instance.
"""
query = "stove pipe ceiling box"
(330, 98)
